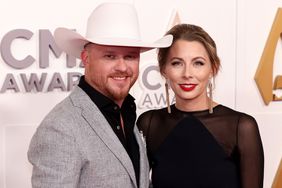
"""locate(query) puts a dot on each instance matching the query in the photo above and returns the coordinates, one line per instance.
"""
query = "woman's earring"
(167, 97)
(210, 96)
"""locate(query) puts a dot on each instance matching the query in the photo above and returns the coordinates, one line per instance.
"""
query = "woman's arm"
(251, 153)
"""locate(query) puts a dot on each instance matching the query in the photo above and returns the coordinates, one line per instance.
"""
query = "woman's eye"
(199, 63)
(175, 63)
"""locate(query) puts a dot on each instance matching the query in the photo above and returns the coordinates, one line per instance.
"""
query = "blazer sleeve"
(55, 156)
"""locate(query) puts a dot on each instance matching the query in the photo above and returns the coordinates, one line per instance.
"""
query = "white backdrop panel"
(239, 29)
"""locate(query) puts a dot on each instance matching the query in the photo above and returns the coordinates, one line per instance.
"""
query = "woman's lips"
(187, 87)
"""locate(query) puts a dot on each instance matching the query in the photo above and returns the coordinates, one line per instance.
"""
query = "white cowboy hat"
(114, 24)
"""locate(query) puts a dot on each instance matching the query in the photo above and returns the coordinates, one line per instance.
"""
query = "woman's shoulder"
(152, 113)
(145, 118)
(242, 117)
(229, 110)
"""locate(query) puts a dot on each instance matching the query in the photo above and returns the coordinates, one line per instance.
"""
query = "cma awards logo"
(35, 81)
(152, 86)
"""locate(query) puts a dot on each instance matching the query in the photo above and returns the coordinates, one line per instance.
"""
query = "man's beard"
(118, 95)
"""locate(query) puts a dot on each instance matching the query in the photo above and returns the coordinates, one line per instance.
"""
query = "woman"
(196, 142)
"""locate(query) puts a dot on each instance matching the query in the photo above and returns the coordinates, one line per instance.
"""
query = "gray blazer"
(75, 146)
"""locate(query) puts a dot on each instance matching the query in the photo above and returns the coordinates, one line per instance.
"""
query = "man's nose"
(121, 64)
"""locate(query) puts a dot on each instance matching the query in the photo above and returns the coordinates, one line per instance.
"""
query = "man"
(90, 138)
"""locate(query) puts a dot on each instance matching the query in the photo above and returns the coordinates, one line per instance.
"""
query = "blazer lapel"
(144, 164)
(99, 124)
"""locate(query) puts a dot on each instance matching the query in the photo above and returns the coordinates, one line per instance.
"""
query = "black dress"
(203, 150)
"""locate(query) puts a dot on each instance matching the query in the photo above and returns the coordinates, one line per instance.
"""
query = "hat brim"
(73, 43)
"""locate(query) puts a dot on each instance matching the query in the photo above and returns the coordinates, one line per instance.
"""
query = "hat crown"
(114, 24)
(113, 20)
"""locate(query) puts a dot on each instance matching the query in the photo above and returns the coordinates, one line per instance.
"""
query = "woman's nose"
(187, 71)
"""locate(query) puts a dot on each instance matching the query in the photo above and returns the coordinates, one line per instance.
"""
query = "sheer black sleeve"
(143, 122)
(251, 153)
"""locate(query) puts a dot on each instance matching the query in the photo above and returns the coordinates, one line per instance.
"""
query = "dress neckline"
(196, 111)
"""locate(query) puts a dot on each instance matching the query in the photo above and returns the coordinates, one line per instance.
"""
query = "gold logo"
(277, 183)
(264, 73)
(264, 76)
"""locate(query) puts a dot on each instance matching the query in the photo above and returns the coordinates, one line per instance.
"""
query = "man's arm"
(54, 156)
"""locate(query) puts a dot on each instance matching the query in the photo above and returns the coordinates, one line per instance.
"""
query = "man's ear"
(84, 57)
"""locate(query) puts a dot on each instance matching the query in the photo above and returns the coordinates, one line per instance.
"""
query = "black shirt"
(112, 113)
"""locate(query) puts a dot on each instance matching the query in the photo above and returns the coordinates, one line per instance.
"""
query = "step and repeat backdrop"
(35, 75)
